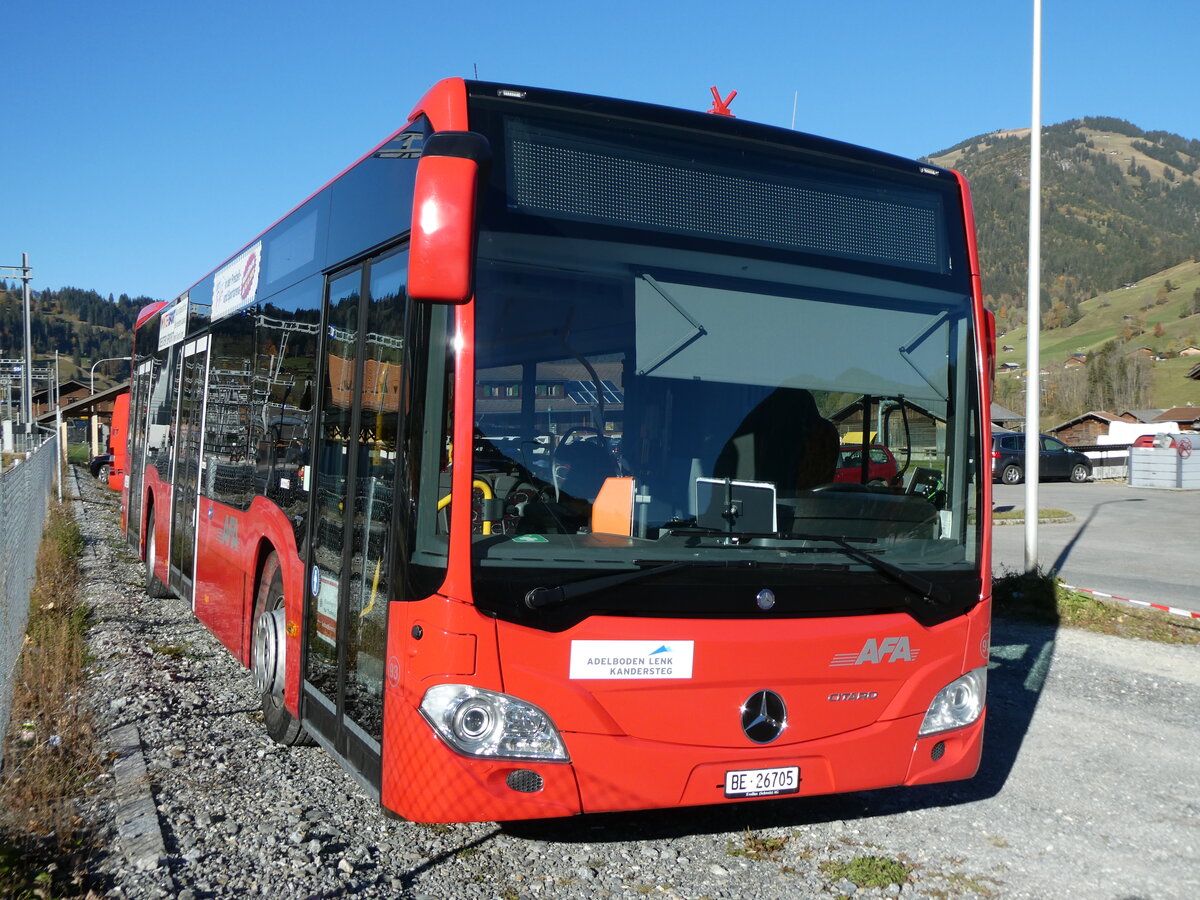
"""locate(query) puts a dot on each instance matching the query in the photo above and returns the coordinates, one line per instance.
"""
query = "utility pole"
(26, 275)
(1033, 363)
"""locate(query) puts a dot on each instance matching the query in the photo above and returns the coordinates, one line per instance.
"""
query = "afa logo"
(889, 650)
(229, 534)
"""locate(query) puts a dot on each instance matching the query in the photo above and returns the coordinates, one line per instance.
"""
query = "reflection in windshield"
(633, 406)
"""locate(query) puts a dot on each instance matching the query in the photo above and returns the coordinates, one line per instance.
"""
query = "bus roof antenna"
(721, 107)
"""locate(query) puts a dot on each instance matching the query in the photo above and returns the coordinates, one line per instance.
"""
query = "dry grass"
(758, 847)
(50, 752)
(1042, 597)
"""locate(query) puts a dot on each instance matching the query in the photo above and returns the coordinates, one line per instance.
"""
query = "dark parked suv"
(1056, 459)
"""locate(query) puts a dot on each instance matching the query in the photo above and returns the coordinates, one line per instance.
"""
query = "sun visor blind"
(552, 172)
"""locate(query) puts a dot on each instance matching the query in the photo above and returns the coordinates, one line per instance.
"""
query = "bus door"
(135, 464)
(351, 540)
(151, 427)
(189, 445)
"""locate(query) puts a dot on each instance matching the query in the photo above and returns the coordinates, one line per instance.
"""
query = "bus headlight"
(957, 705)
(478, 722)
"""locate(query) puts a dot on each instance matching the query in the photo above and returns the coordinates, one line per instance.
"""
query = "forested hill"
(1119, 204)
(80, 325)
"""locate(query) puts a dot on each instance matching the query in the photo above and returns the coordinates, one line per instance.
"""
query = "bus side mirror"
(989, 359)
(441, 257)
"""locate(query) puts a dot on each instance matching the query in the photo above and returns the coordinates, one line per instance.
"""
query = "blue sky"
(145, 142)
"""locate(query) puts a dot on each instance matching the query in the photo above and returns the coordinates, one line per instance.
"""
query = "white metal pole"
(95, 418)
(27, 373)
(1033, 381)
(61, 458)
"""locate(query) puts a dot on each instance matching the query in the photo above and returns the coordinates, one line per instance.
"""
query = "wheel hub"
(269, 662)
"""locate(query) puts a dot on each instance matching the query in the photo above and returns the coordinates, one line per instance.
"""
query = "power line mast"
(26, 275)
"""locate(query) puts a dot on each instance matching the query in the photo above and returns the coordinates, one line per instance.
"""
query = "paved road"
(1139, 543)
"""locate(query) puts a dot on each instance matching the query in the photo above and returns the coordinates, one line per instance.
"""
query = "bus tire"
(268, 656)
(154, 585)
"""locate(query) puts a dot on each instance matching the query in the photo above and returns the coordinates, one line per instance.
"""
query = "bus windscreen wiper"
(934, 593)
(542, 597)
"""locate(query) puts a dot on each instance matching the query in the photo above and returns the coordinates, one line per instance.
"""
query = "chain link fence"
(24, 500)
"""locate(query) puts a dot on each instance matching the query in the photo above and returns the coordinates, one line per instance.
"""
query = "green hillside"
(1142, 316)
(81, 326)
(1119, 204)
(1120, 240)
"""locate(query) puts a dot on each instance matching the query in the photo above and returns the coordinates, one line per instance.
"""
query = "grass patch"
(50, 753)
(1018, 515)
(958, 884)
(867, 871)
(755, 846)
(79, 454)
(175, 651)
(22, 875)
(121, 551)
(1042, 597)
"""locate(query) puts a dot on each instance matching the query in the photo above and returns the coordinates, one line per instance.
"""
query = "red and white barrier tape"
(1171, 609)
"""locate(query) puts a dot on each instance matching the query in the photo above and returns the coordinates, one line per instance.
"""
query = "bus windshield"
(647, 400)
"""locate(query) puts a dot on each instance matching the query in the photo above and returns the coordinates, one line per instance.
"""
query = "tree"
(1117, 379)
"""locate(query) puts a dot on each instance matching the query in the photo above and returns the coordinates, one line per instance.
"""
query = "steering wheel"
(558, 478)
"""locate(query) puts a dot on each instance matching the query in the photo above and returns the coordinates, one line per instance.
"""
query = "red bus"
(506, 461)
(118, 441)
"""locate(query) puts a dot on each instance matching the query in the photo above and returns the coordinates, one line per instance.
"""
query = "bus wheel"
(269, 653)
(154, 586)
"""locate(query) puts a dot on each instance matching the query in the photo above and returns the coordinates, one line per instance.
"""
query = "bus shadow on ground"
(1021, 657)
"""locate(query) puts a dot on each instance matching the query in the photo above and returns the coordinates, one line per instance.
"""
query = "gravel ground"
(1088, 788)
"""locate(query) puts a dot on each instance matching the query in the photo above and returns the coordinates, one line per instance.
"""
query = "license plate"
(762, 782)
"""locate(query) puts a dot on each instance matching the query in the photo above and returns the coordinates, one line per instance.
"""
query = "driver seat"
(783, 440)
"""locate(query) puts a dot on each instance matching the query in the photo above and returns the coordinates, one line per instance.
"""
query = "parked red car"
(1160, 440)
(881, 468)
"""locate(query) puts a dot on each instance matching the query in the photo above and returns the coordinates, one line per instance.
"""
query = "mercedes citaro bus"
(506, 462)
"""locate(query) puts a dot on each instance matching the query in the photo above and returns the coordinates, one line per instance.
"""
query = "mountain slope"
(1119, 204)
(1160, 313)
(80, 325)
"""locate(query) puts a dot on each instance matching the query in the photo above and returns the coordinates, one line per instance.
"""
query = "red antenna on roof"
(721, 107)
